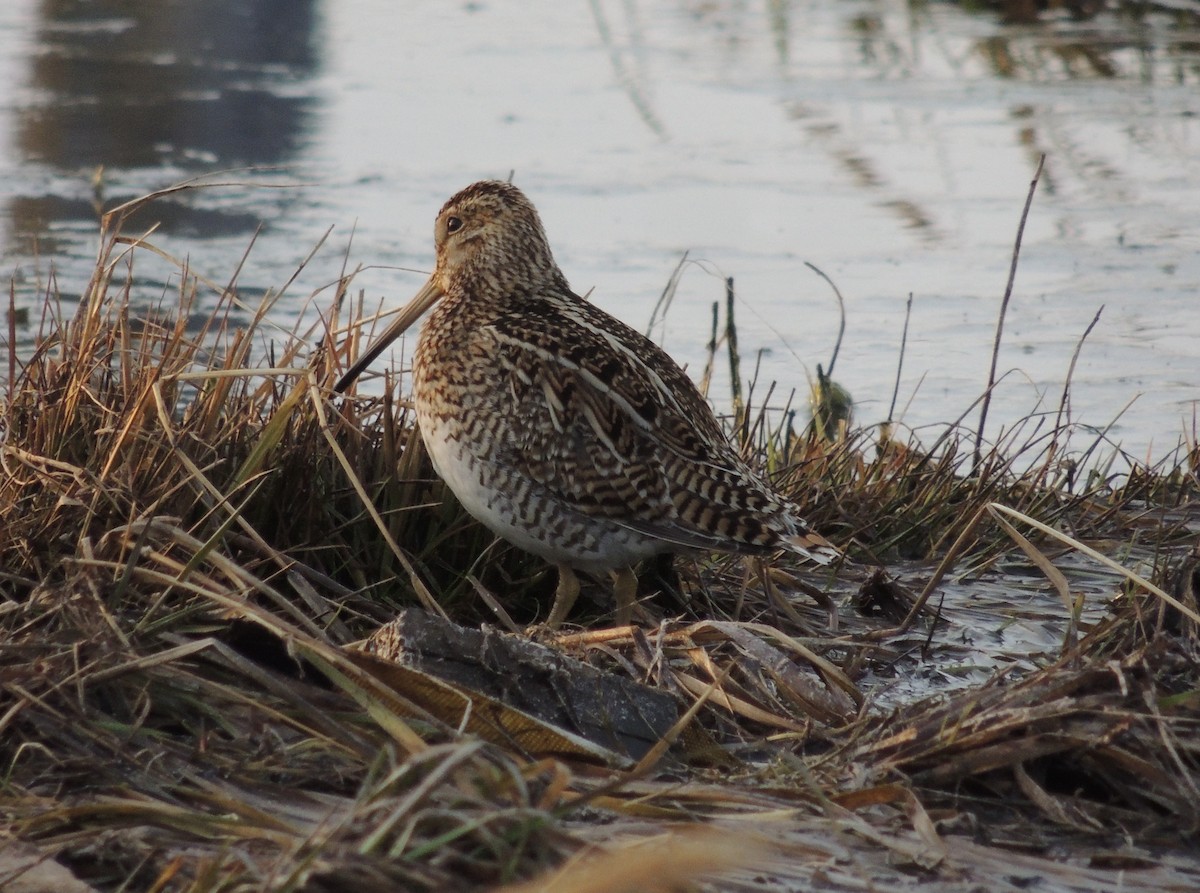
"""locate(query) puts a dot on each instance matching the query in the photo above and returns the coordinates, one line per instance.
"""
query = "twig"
(837, 345)
(735, 370)
(706, 378)
(1012, 275)
(1066, 394)
(1065, 401)
(900, 361)
(668, 295)
(12, 331)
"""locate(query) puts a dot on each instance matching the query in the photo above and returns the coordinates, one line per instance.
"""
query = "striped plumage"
(561, 428)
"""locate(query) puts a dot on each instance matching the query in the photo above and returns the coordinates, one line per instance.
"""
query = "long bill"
(421, 301)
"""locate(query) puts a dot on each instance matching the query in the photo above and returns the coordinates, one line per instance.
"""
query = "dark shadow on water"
(31, 215)
(194, 83)
(146, 90)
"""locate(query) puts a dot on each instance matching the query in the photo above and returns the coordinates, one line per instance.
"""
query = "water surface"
(890, 144)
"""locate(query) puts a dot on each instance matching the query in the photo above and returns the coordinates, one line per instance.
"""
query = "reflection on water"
(196, 83)
(629, 61)
(888, 143)
(120, 86)
(1144, 58)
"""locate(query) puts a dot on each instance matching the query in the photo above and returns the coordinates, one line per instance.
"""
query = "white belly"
(520, 511)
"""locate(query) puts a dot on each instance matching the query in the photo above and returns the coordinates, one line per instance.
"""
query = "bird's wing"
(614, 428)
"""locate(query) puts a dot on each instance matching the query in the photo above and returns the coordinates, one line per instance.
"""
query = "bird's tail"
(811, 545)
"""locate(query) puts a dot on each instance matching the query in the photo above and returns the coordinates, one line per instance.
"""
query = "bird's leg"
(625, 593)
(564, 597)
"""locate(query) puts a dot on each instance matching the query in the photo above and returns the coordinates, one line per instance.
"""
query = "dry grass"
(190, 539)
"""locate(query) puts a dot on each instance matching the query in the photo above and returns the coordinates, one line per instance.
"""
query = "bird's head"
(490, 247)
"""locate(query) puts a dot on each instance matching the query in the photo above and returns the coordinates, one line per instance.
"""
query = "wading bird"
(559, 427)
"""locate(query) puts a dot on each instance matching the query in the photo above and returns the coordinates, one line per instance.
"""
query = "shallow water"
(1010, 619)
(889, 144)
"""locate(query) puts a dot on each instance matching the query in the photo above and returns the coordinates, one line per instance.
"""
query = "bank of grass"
(191, 541)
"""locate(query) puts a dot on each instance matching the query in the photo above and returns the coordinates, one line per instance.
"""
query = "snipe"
(559, 427)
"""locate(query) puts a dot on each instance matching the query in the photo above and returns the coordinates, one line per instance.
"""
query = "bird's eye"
(453, 224)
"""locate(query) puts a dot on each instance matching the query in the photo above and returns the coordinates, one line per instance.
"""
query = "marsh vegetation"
(195, 538)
